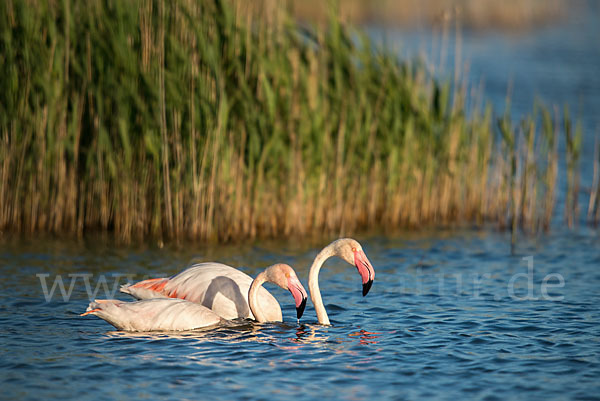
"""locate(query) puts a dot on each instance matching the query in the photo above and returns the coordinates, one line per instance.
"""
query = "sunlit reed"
(215, 120)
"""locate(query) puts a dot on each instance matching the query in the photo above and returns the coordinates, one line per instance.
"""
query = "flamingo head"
(351, 251)
(285, 277)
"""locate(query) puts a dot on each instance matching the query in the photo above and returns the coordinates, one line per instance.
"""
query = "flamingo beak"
(300, 308)
(367, 287)
(365, 269)
(299, 294)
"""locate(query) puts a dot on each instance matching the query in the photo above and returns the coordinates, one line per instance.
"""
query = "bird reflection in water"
(310, 334)
(243, 330)
(307, 333)
(365, 337)
(236, 330)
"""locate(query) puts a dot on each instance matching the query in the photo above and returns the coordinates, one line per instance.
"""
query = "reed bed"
(196, 119)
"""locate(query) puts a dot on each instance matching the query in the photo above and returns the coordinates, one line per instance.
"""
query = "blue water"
(442, 321)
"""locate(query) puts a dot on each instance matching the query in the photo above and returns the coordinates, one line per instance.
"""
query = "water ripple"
(411, 337)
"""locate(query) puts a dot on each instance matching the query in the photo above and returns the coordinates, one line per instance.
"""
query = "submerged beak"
(300, 308)
(299, 294)
(366, 271)
(367, 287)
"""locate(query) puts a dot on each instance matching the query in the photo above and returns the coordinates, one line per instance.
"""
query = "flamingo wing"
(221, 288)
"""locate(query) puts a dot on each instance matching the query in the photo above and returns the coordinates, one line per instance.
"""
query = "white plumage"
(153, 314)
(221, 288)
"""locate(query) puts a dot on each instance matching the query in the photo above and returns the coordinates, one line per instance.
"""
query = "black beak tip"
(300, 308)
(367, 287)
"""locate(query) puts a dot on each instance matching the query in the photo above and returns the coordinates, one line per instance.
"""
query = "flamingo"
(153, 314)
(219, 287)
(168, 314)
(349, 250)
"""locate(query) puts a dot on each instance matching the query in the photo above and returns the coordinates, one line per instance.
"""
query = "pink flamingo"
(220, 287)
(168, 314)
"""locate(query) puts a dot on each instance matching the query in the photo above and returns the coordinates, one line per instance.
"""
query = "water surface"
(442, 321)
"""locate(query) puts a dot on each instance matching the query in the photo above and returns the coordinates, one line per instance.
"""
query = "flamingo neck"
(253, 298)
(313, 283)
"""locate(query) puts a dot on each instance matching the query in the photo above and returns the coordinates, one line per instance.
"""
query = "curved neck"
(253, 297)
(313, 283)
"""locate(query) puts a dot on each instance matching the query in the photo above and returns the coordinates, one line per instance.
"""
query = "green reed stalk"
(573, 142)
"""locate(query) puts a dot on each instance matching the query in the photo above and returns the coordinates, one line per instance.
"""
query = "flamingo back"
(221, 288)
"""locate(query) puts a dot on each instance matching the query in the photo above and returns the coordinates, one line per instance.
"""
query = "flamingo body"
(153, 314)
(220, 288)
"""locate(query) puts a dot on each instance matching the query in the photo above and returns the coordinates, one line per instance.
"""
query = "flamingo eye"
(353, 249)
(287, 275)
